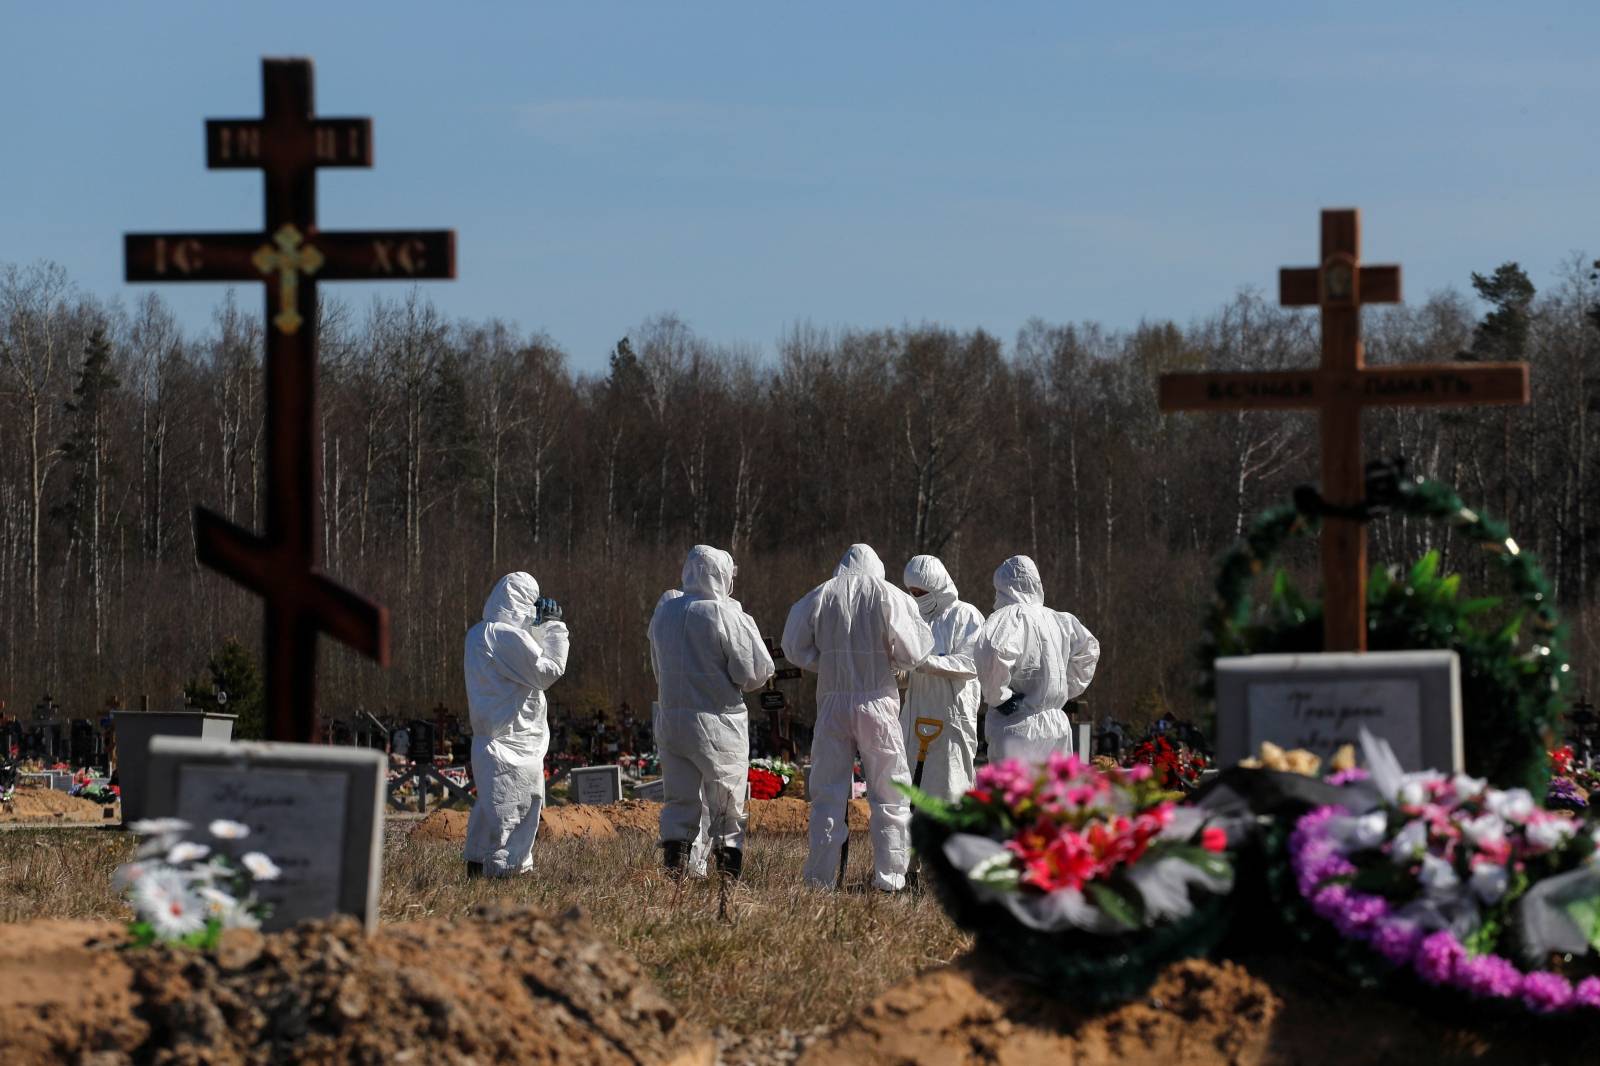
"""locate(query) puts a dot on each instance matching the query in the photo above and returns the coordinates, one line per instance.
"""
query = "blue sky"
(749, 166)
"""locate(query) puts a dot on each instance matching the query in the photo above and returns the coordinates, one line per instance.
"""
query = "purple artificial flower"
(1345, 777)
(1330, 902)
(1587, 994)
(1546, 993)
(1438, 956)
(1489, 976)
(1396, 940)
(1361, 914)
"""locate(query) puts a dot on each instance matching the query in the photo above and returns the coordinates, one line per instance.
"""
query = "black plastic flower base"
(1081, 968)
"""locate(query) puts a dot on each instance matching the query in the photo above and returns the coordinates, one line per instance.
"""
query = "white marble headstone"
(314, 810)
(1321, 702)
(597, 785)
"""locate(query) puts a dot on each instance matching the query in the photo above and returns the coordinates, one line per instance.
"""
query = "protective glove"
(554, 641)
(1009, 704)
(546, 609)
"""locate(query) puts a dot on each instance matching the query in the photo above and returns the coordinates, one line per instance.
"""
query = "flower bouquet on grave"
(1455, 890)
(189, 893)
(1175, 767)
(1087, 881)
(769, 778)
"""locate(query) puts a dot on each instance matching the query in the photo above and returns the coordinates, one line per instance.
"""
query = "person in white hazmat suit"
(1031, 661)
(945, 687)
(509, 662)
(700, 850)
(707, 653)
(855, 631)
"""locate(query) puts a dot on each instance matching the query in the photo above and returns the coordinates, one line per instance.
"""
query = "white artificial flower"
(152, 827)
(1359, 833)
(1484, 829)
(217, 903)
(1467, 788)
(1416, 789)
(1411, 841)
(223, 829)
(162, 899)
(1514, 805)
(1551, 832)
(1489, 882)
(261, 868)
(127, 874)
(1438, 878)
(187, 852)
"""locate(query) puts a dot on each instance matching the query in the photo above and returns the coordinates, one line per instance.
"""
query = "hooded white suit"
(854, 631)
(945, 686)
(707, 653)
(701, 851)
(1049, 656)
(509, 663)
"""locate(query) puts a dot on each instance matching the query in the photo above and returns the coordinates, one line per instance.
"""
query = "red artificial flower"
(1214, 838)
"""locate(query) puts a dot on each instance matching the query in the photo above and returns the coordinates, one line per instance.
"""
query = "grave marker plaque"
(596, 785)
(316, 811)
(1412, 699)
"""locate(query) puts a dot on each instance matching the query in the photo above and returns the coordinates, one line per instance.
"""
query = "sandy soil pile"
(48, 805)
(1197, 1013)
(502, 986)
(784, 816)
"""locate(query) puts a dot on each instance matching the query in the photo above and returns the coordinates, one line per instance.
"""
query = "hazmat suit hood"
(708, 572)
(928, 573)
(512, 600)
(1017, 581)
(860, 559)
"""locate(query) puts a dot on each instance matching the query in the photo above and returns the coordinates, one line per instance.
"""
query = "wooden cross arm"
(375, 256)
(1441, 385)
(190, 256)
(1272, 389)
(283, 580)
(237, 143)
(1302, 286)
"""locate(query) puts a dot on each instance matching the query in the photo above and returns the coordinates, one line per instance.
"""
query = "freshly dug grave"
(504, 985)
(1197, 1013)
(785, 816)
(47, 805)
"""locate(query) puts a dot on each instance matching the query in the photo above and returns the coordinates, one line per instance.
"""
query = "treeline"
(454, 451)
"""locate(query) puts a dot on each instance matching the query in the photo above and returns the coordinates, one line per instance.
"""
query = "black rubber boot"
(730, 862)
(672, 856)
(474, 870)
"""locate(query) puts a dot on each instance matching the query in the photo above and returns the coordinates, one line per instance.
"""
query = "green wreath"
(1513, 674)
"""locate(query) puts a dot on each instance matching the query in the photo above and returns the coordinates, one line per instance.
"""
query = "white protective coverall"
(854, 631)
(945, 686)
(509, 663)
(700, 851)
(707, 653)
(1049, 656)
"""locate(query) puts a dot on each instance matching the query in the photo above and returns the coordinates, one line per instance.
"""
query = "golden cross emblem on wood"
(289, 260)
(1337, 391)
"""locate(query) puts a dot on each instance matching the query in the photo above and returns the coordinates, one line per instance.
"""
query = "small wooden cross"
(288, 144)
(1338, 390)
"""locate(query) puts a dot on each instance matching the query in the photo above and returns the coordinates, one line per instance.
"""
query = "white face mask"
(928, 605)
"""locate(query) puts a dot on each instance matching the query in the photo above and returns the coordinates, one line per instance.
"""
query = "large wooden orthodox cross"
(1338, 390)
(288, 143)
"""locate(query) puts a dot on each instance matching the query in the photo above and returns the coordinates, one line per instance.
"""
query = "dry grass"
(772, 956)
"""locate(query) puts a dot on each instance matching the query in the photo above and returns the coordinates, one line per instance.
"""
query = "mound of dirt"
(1198, 1013)
(500, 986)
(784, 816)
(49, 805)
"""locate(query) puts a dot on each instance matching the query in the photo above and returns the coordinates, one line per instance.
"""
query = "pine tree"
(85, 450)
(1503, 332)
(233, 671)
